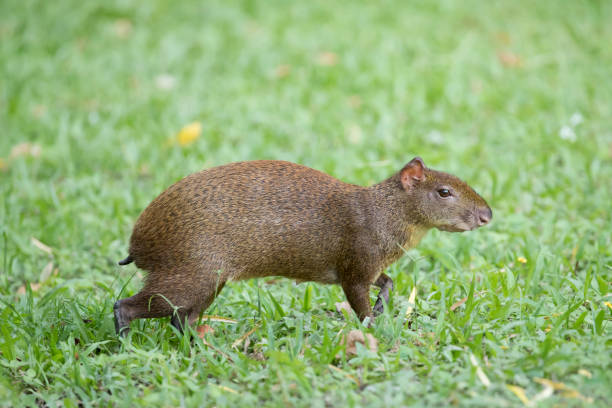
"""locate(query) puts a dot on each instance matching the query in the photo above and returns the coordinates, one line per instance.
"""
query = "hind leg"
(190, 316)
(145, 304)
(181, 295)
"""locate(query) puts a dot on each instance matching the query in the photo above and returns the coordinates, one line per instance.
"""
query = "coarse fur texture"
(274, 218)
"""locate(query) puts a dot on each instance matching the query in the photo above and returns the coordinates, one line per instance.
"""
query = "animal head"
(442, 200)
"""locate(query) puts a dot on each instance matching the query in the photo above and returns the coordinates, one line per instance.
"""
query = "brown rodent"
(262, 218)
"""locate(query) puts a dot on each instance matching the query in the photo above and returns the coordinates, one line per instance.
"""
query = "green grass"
(484, 90)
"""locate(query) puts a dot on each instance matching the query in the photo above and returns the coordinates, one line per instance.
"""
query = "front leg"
(385, 283)
(358, 296)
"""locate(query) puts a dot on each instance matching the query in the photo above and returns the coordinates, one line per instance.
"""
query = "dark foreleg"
(385, 283)
(358, 296)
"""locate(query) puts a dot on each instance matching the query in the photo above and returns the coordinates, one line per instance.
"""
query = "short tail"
(127, 260)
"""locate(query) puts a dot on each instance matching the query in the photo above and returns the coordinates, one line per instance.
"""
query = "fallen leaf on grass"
(557, 386)
(352, 377)
(203, 329)
(244, 336)
(503, 37)
(354, 134)
(258, 356)
(349, 342)
(165, 82)
(26, 149)
(458, 303)
(221, 319)
(520, 393)
(542, 395)
(216, 350)
(188, 134)
(33, 286)
(327, 59)
(479, 373)
(585, 373)
(46, 272)
(39, 111)
(566, 391)
(41, 246)
(343, 307)
(411, 300)
(282, 71)
(354, 101)
(508, 59)
(228, 389)
(122, 28)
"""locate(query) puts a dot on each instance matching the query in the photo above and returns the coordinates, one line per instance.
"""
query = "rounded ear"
(412, 173)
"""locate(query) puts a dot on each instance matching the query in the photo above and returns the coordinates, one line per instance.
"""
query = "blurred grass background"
(514, 97)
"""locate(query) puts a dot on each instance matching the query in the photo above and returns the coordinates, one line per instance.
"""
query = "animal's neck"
(395, 222)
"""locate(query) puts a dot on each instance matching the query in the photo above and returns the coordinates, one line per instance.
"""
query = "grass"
(514, 97)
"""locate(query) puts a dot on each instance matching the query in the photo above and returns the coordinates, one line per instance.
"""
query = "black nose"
(484, 216)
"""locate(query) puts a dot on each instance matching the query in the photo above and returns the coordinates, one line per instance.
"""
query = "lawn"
(105, 104)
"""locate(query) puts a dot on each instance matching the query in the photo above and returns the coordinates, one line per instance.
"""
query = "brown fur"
(253, 219)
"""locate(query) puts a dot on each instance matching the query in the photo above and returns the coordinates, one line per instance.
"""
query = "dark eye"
(443, 192)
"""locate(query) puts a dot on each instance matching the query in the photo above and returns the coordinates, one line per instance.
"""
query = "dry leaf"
(245, 346)
(479, 373)
(352, 377)
(258, 356)
(354, 101)
(509, 59)
(38, 111)
(189, 134)
(542, 395)
(144, 170)
(520, 393)
(203, 329)
(585, 373)
(557, 386)
(349, 342)
(122, 28)
(476, 85)
(566, 391)
(165, 82)
(503, 38)
(458, 303)
(327, 59)
(354, 133)
(216, 350)
(46, 272)
(33, 286)
(40, 245)
(282, 71)
(411, 300)
(26, 149)
(244, 336)
(224, 388)
(343, 307)
(221, 319)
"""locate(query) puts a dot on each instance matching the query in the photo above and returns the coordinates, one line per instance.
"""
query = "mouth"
(462, 227)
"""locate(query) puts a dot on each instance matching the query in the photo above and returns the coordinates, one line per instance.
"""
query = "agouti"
(275, 218)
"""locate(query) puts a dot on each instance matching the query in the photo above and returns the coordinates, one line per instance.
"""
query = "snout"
(484, 216)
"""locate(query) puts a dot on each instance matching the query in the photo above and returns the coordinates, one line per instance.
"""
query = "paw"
(121, 323)
(378, 307)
